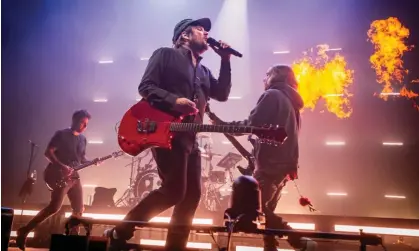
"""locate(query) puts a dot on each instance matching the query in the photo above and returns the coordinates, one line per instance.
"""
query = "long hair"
(284, 74)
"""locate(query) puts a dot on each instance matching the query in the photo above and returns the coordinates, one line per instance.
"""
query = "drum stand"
(125, 199)
(211, 195)
(128, 198)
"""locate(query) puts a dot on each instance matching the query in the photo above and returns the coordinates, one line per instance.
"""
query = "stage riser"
(322, 223)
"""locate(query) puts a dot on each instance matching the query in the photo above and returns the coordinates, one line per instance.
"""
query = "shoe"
(302, 243)
(309, 244)
(21, 238)
(114, 244)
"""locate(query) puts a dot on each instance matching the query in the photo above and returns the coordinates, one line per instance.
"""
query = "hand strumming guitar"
(66, 170)
(185, 106)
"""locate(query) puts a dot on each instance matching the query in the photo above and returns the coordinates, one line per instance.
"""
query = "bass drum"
(145, 183)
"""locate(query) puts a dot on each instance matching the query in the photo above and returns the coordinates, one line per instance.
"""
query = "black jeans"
(180, 172)
(73, 190)
(270, 187)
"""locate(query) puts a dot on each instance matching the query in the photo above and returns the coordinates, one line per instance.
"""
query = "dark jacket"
(279, 105)
(170, 74)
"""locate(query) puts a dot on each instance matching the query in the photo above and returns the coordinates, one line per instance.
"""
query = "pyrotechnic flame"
(388, 37)
(319, 76)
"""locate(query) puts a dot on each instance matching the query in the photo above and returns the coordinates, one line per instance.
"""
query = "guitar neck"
(192, 127)
(231, 138)
(238, 146)
(87, 164)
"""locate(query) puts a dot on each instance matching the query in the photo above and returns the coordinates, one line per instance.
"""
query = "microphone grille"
(211, 40)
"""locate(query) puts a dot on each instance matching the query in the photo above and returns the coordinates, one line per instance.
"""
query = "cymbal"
(210, 155)
(203, 135)
(202, 149)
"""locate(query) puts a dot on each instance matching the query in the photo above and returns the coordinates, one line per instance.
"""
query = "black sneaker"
(114, 244)
(302, 243)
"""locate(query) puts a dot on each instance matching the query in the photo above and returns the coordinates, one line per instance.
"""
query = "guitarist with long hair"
(66, 148)
(280, 104)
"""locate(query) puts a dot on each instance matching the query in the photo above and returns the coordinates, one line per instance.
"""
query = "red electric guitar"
(144, 126)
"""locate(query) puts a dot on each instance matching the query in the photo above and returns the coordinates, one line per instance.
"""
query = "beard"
(198, 46)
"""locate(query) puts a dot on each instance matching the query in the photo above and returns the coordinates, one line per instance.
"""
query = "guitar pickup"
(146, 126)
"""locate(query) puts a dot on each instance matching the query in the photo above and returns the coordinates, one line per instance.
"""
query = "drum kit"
(216, 180)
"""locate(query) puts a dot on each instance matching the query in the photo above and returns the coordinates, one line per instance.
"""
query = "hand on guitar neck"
(215, 120)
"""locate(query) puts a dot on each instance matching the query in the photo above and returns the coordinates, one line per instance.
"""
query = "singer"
(176, 82)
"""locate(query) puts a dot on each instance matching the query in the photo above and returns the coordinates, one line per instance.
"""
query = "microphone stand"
(27, 187)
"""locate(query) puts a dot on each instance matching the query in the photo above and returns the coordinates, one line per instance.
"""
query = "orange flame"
(321, 77)
(388, 37)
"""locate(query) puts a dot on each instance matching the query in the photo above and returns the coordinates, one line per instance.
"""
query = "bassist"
(66, 148)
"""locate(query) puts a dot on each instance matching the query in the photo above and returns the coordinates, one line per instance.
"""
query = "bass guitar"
(55, 177)
(144, 126)
(246, 154)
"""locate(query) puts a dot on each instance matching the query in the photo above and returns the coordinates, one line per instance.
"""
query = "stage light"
(302, 226)
(225, 142)
(281, 52)
(105, 61)
(248, 248)
(378, 230)
(337, 194)
(390, 94)
(89, 185)
(199, 245)
(100, 100)
(14, 234)
(197, 221)
(95, 142)
(144, 59)
(334, 95)
(334, 49)
(25, 212)
(234, 97)
(395, 196)
(335, 143)
(392, 143)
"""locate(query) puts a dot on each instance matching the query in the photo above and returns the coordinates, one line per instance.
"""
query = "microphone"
(211, 41)
(32, 143)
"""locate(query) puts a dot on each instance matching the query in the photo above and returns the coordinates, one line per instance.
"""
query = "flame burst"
(319, 76)
(388, 37)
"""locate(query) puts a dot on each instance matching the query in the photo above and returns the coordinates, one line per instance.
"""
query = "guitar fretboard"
(87, 164)
(191, 127)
